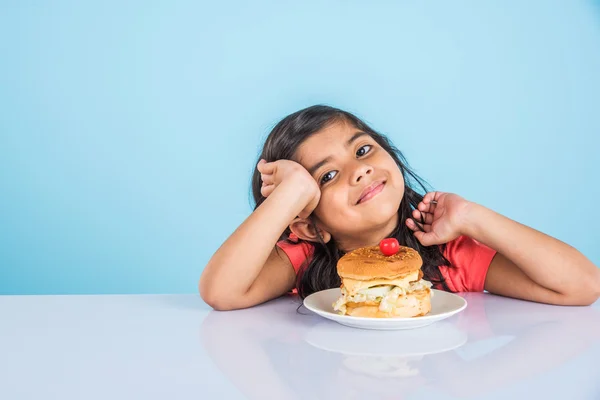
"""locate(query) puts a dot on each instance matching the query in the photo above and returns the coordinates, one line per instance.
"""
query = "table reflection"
(273, 351)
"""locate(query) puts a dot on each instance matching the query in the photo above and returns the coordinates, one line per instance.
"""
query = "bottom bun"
(413, 304)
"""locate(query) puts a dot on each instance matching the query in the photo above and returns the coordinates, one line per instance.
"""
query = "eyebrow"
(354, 137)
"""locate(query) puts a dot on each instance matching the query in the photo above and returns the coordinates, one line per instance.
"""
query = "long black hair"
(320, 270)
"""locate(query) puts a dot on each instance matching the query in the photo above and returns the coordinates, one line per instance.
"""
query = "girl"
(327, 183)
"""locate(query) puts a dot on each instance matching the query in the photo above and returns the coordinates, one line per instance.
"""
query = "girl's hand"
(441, 216)
(294, 177)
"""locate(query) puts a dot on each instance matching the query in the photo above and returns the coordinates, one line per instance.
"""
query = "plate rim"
(388, 320)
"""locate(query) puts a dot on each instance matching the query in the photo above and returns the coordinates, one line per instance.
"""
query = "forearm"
(239, 260)
(547, 261)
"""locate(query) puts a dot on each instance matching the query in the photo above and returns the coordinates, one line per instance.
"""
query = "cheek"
(333, 206)
(399, 183)
(396, 191)
(396, 175)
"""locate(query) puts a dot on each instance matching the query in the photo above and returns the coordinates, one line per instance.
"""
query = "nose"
(360, 171)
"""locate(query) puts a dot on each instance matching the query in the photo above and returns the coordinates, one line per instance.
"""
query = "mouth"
(371, 191)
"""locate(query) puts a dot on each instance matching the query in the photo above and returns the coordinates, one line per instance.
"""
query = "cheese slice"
(353, 286)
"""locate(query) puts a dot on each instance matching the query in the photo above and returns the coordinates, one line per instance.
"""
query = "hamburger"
(381, 285)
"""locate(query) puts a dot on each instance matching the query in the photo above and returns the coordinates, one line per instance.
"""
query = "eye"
(363, 150)
(328, 176)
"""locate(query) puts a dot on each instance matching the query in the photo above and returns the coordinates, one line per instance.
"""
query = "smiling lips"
(371, 191)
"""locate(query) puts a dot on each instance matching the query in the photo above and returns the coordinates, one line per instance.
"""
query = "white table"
(176, 347)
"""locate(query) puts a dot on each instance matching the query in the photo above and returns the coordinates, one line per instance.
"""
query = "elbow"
(584, 300)
(220, 304)
(588, 293)
(215, 298)
(595, 288)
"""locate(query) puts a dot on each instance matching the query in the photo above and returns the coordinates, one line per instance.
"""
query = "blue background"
(128, 131)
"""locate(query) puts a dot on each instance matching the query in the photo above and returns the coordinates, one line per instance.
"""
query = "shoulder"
(469, 263)
(298, 253)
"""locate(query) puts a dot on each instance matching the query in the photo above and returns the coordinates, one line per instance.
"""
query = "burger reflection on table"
(383, 354)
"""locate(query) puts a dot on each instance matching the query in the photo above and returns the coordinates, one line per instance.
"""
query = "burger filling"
(385, 292)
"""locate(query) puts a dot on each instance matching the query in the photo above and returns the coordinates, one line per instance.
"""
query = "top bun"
(367, 263)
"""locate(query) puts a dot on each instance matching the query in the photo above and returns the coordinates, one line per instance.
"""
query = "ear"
(306, 230)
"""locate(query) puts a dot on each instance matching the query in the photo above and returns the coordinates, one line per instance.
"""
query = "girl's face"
(361, 184)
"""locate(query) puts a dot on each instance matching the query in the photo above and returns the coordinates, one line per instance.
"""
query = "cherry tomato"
(389, 246)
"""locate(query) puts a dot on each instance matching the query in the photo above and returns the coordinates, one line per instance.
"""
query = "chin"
(382, 212)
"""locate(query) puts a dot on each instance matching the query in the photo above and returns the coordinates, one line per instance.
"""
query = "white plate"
(443, 305)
